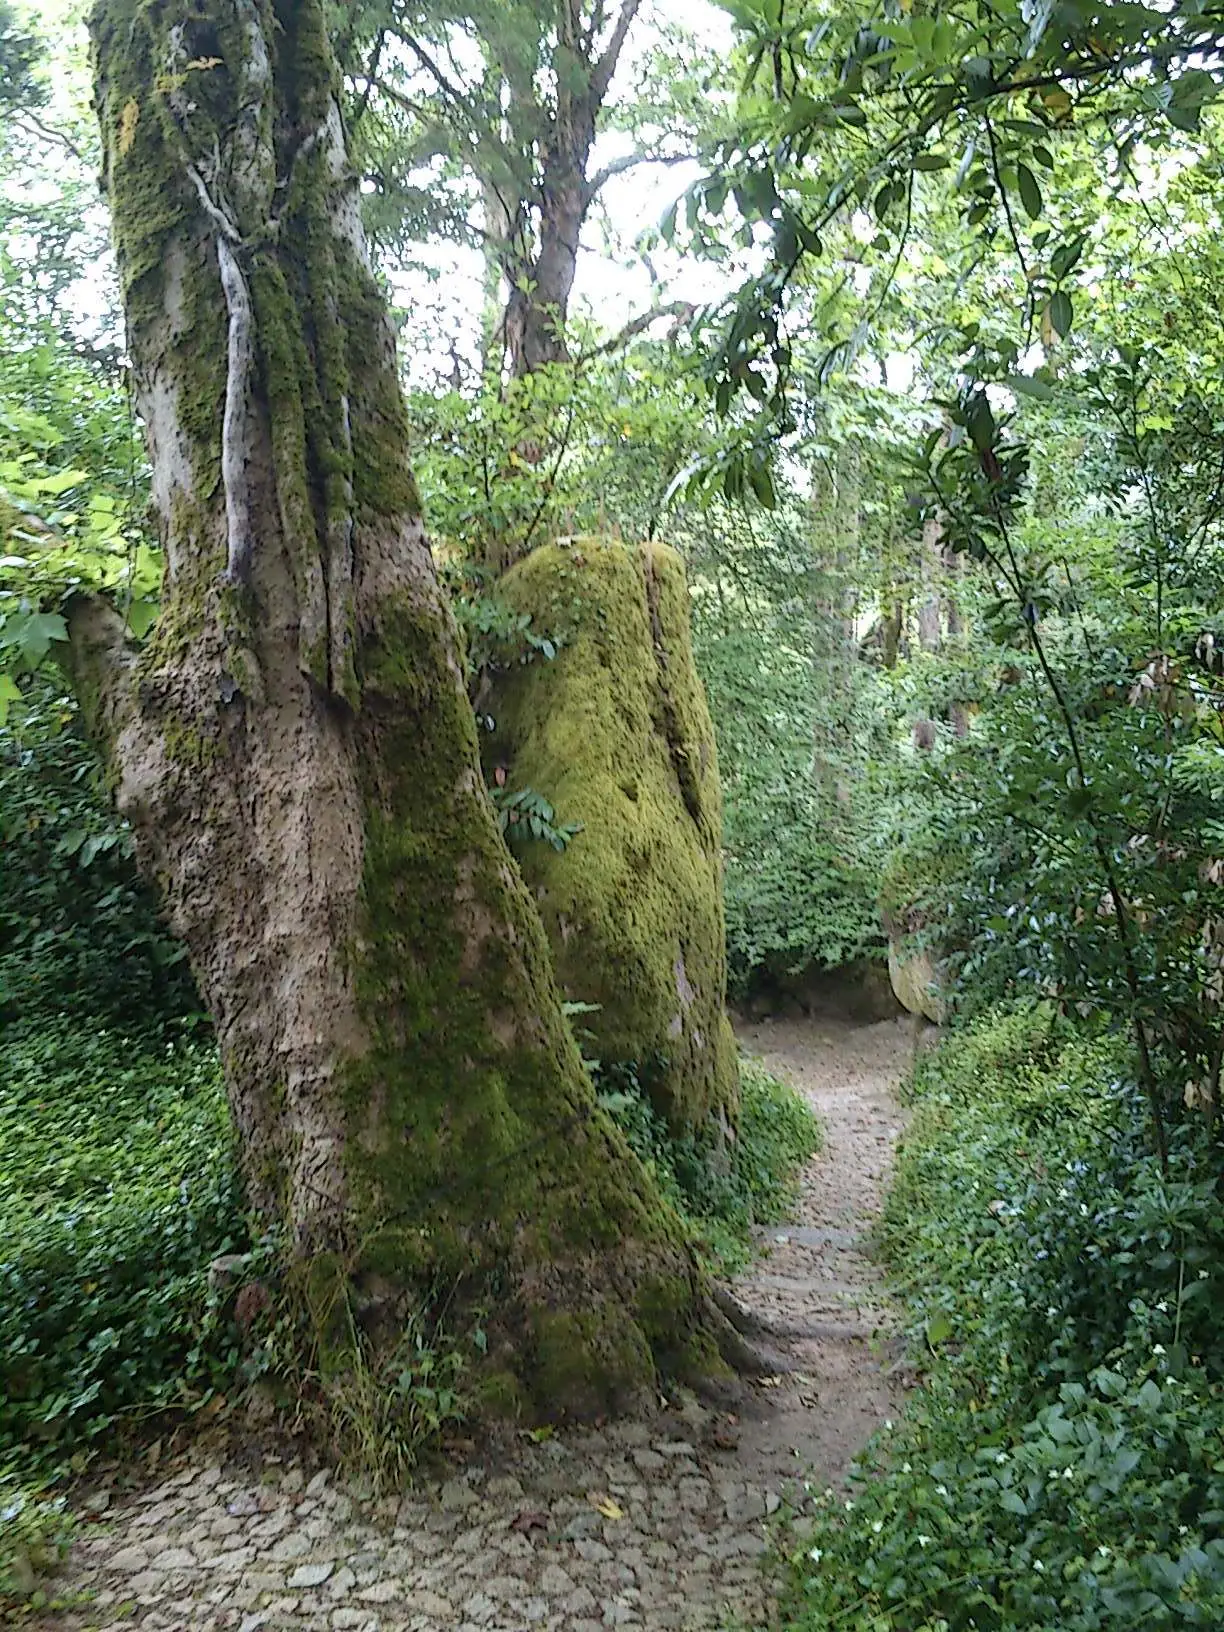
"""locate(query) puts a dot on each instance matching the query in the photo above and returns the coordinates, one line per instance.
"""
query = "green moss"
(616, 734)
(153, 208)
(588, 1362)
(498, 1396)
(189, 747)
(663, 1304)
(698, 1361)
(486, 1138)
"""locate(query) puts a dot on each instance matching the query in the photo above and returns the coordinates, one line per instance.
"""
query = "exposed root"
(742, 1356)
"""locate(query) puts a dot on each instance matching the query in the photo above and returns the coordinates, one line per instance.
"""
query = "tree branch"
(49, 133)
(630, 161)
(679, 310)
(601, 73)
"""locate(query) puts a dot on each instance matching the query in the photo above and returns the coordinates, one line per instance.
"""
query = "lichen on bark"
(616, 733)
(296, 753)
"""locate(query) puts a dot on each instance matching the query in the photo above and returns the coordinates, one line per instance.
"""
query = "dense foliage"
(79, 935)
(1060, 1470)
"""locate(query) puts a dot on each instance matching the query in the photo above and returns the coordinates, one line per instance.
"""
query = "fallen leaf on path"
(606, 1506)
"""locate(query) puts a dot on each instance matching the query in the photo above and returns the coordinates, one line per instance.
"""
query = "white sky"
(447, 306)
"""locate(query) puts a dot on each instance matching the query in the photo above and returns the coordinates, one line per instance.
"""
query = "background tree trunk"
(615, 731)
(296, 752)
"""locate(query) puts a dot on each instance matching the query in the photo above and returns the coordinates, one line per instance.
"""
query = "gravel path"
(652, 1524)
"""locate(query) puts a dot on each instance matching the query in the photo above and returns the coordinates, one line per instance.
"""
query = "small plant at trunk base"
(386, 1410)
(721, 1188)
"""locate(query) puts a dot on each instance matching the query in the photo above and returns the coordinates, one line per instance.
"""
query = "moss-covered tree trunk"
(296, 752)
(616, 733)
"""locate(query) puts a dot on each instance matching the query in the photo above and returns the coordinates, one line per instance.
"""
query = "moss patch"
(615, 732)
(589, 1361)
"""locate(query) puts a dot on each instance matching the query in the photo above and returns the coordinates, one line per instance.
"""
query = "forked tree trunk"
(296, 752)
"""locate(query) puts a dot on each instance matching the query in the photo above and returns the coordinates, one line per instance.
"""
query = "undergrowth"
(1062, 1469)
(120, 1187)
(721, 1193)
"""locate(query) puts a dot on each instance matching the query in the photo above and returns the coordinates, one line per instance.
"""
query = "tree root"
(745, 1358)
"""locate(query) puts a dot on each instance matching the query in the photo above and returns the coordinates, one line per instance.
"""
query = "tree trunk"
(616, 734)
(295, 749)
(538, 304)
(540, 290)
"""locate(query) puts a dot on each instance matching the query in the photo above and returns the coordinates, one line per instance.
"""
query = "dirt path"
(656, 1524)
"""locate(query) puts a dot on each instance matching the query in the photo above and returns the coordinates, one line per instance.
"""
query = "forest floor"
(662, 1523)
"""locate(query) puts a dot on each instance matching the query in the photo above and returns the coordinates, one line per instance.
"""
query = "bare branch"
(680, 311)
(25, 116)
(219, 217)
(601, 74)
(236, 423)
(630, 161)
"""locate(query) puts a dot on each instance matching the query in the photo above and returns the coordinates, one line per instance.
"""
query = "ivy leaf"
(32, 634)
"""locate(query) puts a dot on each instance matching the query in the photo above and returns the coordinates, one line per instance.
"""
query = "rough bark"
(296, 752)
(616, 733)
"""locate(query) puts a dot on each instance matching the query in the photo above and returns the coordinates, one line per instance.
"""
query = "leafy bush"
(722, 1193)
(120, 1187)
(79, 934)
(1063, 1468)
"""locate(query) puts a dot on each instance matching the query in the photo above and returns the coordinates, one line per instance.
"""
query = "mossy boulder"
(917, 984)
(616, 733)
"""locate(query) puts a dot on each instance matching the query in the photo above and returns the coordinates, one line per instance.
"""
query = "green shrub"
(1062, 1469)
(35, 1530)
(120, 1187)
(79, 933)
(722, 1192)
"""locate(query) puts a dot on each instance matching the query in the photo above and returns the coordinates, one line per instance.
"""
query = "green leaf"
(938, 1328)
(1061, 313)
(62, 481)
(10, 693)
(1028, 386)
(762, 485)
(141, 616)
(1030, 192)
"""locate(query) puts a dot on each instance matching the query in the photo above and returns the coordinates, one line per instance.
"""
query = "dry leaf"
(606, 1506)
